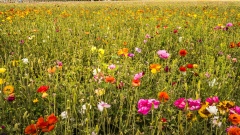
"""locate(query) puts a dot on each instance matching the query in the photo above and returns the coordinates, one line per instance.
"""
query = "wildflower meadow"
(120, 68)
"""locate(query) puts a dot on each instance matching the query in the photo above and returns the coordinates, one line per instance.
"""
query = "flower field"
(120, 68)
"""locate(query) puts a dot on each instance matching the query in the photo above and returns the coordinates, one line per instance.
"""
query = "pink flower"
(145, 105)
(112, 66)
(147, 36)
(180, 103)
(228, 56)
(163, 54)
(229, 25)
(138, 76)
(194, 104)
(101, 105)
(131, 55)
(138, 50)
(145, 41)
(235, 109)
(207, 75)
(212, 100)
(234, 59)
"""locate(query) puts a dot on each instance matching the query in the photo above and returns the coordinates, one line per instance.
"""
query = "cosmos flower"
(101, 105)
(180, 103)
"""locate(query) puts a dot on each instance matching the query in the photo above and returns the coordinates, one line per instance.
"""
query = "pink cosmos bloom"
(101, 105)
(145, 41)
(235, 109)
(138, 76)
(112, 66)
(212, 100)
(144, 110)
(180, 103)
(147, 36)
(194, 104)
(163, 54)
(154, 102)
(229, 25)
(138, 50)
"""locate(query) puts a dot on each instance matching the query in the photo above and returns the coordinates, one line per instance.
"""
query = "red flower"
(183, 69)
(238, 44)
(183, 52)
(31, 129)
(52, 119)
(41, 124)
(42, 89)
(175, 31)
(163, 96)
(189, 65)
(136, 82)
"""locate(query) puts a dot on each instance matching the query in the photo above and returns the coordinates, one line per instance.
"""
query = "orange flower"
(234, 131)
(155, 67)
(41, 124)
(52, 119)
(232, 45)
(183, 52)
(125, 43)
(234, 118)
(9, 89)
(123, 51)
(110, 79)
(51, 70)
(163, 96)
(136, 82)
(31, 129)
(238, 44)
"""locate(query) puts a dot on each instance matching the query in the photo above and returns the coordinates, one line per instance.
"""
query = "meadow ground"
(128, 68)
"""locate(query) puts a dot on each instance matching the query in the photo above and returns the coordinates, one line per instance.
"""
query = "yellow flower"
(191, 116)
(224, 106)
(155, 68)
(203, 112)
(1, 81)
(123, 51)
(9, 89)
(2, 70)
(101, 51)
(93, 49)
(35, 100)
(44, 95)
(100, 92)
(195, 65)
(14, 63)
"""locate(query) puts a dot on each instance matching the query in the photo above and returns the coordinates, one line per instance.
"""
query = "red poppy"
(31, 129)
(136, 82)
(238, 44)
(42, 89)
(183, 69)
(52, 119)
(189, 65)
(51, 127)
(183, 52)
(163, 96)
(41, 124)
(110, 79)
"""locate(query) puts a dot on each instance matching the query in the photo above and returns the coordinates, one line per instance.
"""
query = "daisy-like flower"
(123, 52)
(163, 54)
(212, 100)
(155, 68)
(138, 76)
(180, 103)
(235, 109)
(7, 90)
(194, 104)
(224, 106)
(100, 92)
(212, 109)
(64, 115)
(101, 105)
(112, 66)
(203, 112)
(234, 118)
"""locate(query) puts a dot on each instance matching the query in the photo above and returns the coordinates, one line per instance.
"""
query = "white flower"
(25, 60)
(85, 107)
(212, 109)
(216, 122)
(101, 105)
(180, 39)
(64, 115)
(96, 71)
(212, 83)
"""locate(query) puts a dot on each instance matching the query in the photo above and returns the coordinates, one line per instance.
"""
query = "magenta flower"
(59, 63)
(229, 25)
(194, 104)
(145, 105)
(138, 76)
(235, 109)
(212, 100)
(131, 55)
(180, 103)
(167, 69)
(163, 54)
(147, 36)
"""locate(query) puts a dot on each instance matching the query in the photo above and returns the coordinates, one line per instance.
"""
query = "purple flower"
(138, 50)
(235, 109)
(212, 100)
(163, 54)
(229, 25)
(10, 98)
(138, 76)
(180, 103)
(194, 104)
(131, 55)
